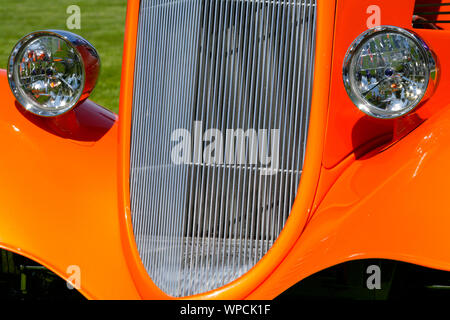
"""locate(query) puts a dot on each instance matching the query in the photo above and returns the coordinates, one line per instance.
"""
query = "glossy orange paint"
(348, 128)
(370, 188)
(382, 196)
(58, 194)
(390, 204)
(350, 133)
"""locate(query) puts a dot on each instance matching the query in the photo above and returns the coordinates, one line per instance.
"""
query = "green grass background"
(102, 24)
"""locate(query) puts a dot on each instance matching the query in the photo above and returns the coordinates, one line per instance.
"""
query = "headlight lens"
(388, 71)
(50, 71)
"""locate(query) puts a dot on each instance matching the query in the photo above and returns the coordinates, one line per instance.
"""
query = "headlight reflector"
(50, 71)
(388, 71)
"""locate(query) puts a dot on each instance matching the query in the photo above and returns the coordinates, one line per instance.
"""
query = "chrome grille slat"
(227, 64)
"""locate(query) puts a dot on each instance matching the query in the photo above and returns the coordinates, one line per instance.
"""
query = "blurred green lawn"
(102, 24)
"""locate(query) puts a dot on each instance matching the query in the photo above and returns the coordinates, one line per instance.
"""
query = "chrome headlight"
(50, 71)
(388, 71)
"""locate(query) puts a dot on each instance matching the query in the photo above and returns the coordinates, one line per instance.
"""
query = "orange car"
(257, 144)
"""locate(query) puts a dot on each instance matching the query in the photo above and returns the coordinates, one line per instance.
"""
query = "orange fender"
(392, 204)
(58, 193)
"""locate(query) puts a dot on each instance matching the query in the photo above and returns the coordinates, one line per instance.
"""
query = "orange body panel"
(390, 204)
(348, 129)
(369, 189)
(376, 197)
(58, 194)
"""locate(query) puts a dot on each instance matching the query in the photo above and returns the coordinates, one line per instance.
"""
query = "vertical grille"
(222, 65)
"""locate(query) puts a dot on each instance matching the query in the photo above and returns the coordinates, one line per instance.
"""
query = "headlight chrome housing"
(388, 71)
(50, 71)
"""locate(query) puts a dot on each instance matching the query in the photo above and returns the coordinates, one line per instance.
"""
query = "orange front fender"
(393, 203)
(58, 194)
